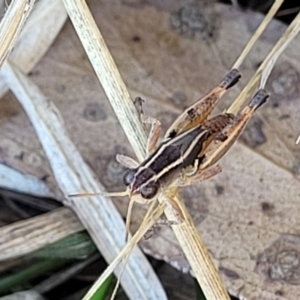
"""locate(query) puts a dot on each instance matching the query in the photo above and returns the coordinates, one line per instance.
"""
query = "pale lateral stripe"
(178, 161)
(162, 148)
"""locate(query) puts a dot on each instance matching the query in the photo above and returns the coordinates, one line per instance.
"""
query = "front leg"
(154, 133)
(155, 128)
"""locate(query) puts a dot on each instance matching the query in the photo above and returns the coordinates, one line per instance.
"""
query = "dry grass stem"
(108, 74)
(26, 236)
(260, 77)
(198, 256)
(12, 24)
(119, 97)
(147, 223)
(261, 28)
(34, 40)
(16, 181)
(99, 215)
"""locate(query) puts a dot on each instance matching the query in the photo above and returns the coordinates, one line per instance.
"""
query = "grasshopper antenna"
(126, 258)
(128, 219)
(115, 194)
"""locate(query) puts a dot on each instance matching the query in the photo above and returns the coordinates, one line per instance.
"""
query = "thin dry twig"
(261, 75)
(261, 28)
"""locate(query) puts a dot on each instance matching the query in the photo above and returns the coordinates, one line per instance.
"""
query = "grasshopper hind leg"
(188, 178)
(201, 109)
(230, 79)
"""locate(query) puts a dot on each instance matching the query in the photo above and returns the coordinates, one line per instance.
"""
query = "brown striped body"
(174, 154)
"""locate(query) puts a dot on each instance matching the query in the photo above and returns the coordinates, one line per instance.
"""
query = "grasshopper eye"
(148, 191)
(129, 177)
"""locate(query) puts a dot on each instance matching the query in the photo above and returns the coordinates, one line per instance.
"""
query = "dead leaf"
(248, 216)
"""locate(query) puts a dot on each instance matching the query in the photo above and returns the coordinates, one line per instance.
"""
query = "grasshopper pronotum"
(189, 149)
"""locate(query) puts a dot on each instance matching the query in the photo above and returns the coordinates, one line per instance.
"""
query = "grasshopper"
(189, 149)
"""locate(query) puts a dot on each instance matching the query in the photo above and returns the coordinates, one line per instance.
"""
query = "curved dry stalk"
(12, 24)
(260, 77)
(34, 41)
(261, 28)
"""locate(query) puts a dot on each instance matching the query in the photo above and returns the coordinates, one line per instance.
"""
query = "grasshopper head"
(140, 181)
(129, 177)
